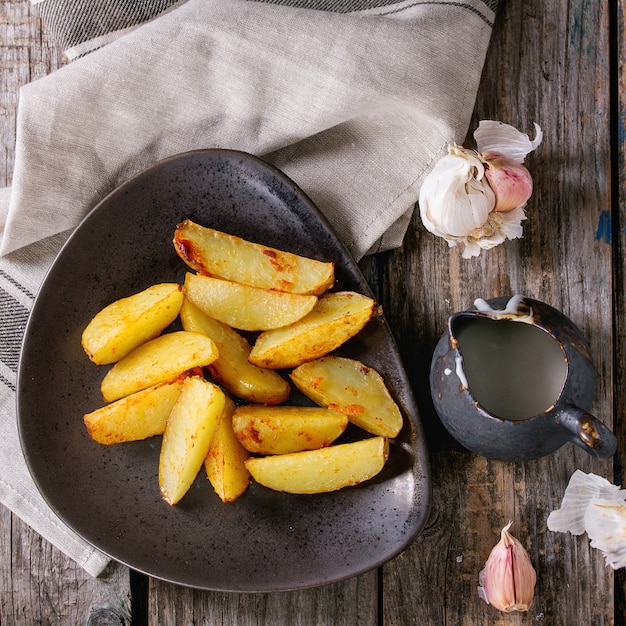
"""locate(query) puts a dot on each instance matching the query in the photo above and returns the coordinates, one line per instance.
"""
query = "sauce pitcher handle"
(587, 431)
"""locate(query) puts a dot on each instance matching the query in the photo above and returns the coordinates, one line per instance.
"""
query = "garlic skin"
(593, 505)
(477, 198)
(499, 227)
(580, 492)
(508, 580)
(605, 521)
(501, 138)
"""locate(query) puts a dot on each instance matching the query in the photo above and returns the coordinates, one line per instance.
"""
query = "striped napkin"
(353, 99)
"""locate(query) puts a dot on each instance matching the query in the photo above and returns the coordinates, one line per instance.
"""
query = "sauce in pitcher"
(514, 370)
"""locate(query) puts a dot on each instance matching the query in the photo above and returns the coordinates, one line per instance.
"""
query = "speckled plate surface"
(264, 541)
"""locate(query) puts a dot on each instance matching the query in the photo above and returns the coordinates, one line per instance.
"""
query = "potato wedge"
(245, 307)
(138, 416)
(225, 463)
(323, 470)
(127, 323)
(156, 361)
(285, 429)
(232, 369)
(335, 318)
(219, 254)
(351, 387)
(188, 434)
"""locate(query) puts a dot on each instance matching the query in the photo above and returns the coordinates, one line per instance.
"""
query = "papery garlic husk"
(581, 490)
(605, 522)
(593, 505)
(500, 138)
(499, 227)
(508, 580)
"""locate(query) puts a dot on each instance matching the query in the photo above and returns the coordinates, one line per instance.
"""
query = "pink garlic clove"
(510, 181)
(508, 580)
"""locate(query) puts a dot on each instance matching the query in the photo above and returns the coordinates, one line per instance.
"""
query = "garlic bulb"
(477, 198)
(508, 580)
(593, 505)
(456, 198)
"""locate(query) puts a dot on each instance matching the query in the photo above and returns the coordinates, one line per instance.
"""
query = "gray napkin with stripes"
(353, 99)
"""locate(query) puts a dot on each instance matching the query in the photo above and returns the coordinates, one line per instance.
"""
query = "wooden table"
(555, 63)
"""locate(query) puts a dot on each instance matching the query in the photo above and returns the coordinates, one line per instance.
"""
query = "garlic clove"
(511, 182)
(503, 149)
(508, 579)
(501, 138)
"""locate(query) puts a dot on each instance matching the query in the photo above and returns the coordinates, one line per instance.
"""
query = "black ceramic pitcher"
(513, 379)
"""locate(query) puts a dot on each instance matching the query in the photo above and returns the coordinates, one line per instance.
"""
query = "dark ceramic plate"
(264, 541)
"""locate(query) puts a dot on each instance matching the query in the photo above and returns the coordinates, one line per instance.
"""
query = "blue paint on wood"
(604, 227)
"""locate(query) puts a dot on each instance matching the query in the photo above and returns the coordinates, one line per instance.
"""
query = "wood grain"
(340, 604)
(551, 66)
(555, 63)
(618, 232)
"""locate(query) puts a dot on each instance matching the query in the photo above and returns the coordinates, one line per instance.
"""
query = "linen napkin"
(353, 99)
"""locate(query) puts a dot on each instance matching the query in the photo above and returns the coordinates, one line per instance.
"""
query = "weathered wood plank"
(26, 53)
(619, 233)
(548, 63)
(38, 583)
(354, 601)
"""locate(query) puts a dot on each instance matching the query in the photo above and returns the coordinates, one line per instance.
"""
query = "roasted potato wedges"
(158, 360)
(219, 254)
(323, 470)
(232, 369)
(245, 307)
(188, 435)
(156, 383)
(351, 387)
(335, 318)
(225, 463)
(284, 429)
(141, 415)
(127, 323)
